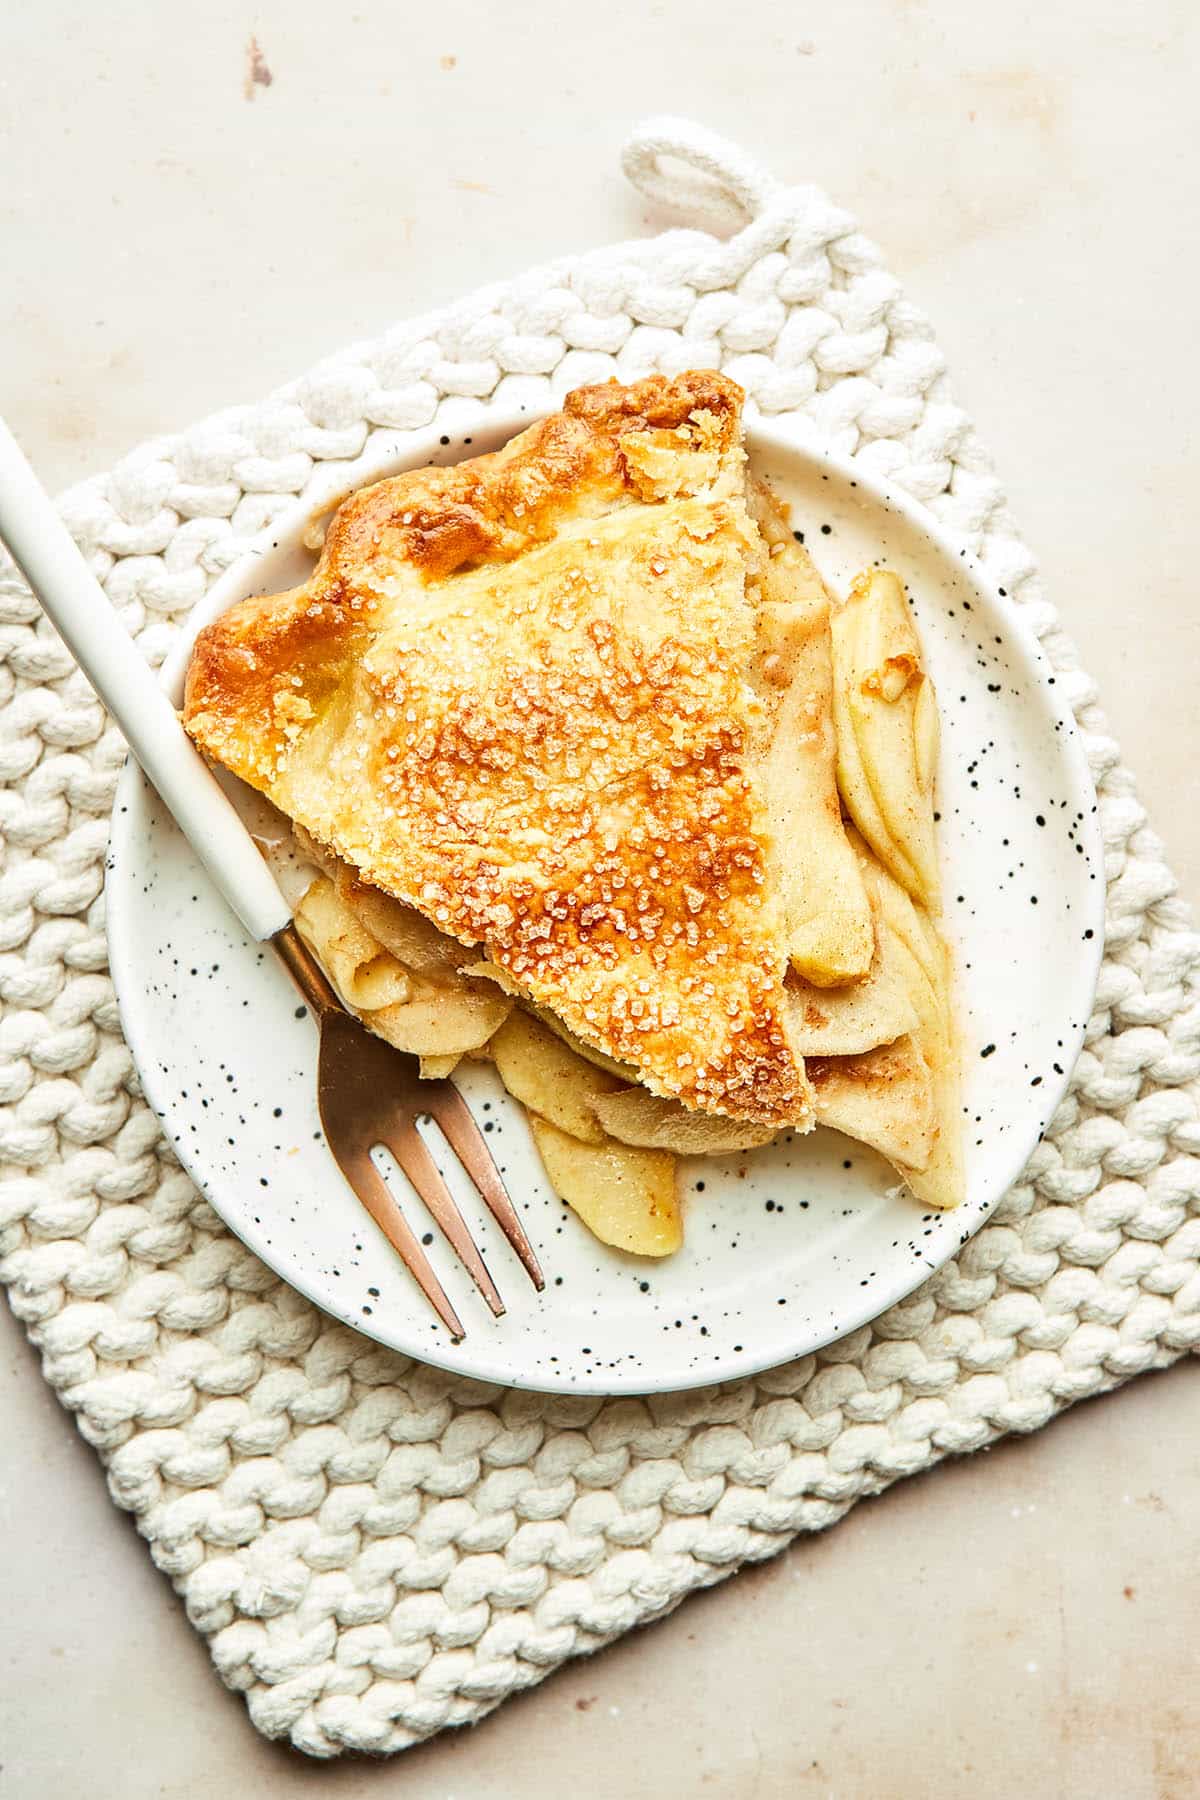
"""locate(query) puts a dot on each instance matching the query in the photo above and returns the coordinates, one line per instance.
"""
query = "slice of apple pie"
(558, 724)
(516, 695)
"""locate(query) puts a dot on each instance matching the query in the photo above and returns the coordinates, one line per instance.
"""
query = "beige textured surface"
(1016, 1623)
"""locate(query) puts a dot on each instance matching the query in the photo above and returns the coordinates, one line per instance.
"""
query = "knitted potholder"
(375, 1549)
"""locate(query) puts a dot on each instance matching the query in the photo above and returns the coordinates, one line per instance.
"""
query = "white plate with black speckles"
(787, 1248)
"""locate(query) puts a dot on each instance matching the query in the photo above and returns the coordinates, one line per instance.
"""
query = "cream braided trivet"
(374, 1549)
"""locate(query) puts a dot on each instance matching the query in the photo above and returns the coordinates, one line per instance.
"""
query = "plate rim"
(393, 452)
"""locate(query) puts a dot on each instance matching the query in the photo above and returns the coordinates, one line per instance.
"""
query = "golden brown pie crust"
(514, 695)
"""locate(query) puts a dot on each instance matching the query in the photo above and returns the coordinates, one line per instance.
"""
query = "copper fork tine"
(469, 1145)
(371, 1094)
(412, 1153)
(379, 1201)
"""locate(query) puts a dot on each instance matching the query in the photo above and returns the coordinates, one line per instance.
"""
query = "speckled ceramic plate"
(787, 1248)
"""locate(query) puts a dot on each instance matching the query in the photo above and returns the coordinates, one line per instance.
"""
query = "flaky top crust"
(514, 695)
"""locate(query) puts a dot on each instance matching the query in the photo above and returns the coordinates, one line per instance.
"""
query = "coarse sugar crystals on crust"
(514, 694)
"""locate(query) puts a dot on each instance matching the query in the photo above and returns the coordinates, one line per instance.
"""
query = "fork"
(368, 1093)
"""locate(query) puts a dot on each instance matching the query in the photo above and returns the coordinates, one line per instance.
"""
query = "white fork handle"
(79, 609)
